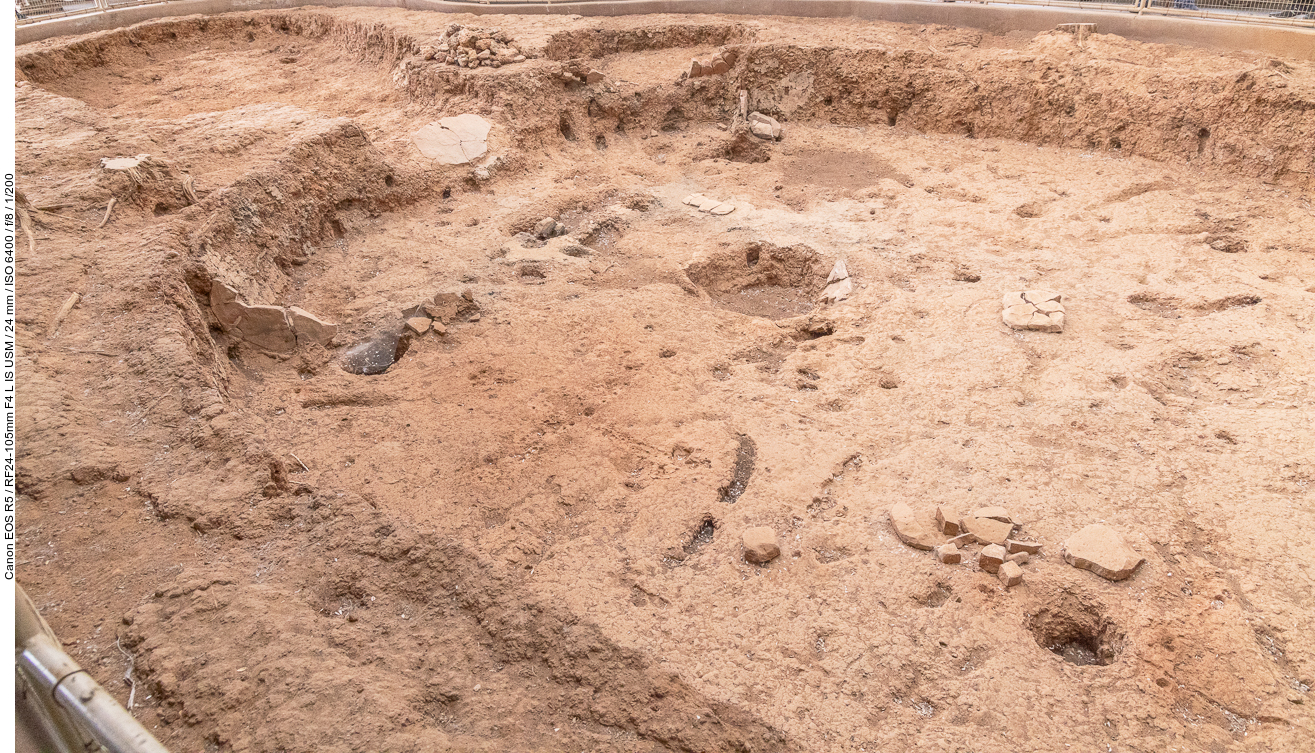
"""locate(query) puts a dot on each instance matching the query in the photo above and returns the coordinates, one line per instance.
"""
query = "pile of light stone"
(471, 48)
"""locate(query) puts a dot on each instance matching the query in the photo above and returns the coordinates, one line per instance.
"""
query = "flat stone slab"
(1013, 546)
(994, 512)
(1040, 310)
(1101, 550)
(705, 204)
(988, 530)
(911, 528)
(309, 327)
(455, 140)
(266, 327)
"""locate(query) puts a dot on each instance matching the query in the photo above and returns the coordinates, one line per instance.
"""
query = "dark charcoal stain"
(744, 458)
(702, 535)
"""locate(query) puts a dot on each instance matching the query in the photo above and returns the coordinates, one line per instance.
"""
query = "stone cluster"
(471, 48)
(713, 66)
(1097, 547)
(992, 527)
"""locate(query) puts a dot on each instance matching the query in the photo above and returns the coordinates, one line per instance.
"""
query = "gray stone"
(545, 228)
(764, 127)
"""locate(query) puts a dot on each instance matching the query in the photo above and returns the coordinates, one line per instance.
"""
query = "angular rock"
(1030, 547)
(1101, 550)
(761, 545)
(1019, 557)
(910, 528)
(418, 324)
(947, 522)
(594, 77)
(963, 540)
(988, 531)
(719, 65)
(310, 328)
(695, 199)
(730, 56)
(994, 513)
(991, 558)
(449, 307)
(1010, 574)
(838, 285)
(764, 127)
(1040, 310)
(695, 68)
(948, 554)
(266, 327)
(545, 228)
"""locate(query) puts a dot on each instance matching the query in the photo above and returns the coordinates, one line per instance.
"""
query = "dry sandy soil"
(525, 535)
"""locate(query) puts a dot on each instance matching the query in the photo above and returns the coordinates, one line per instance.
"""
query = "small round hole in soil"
(1077, 633)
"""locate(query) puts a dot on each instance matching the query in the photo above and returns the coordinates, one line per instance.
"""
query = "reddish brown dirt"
(525, 534)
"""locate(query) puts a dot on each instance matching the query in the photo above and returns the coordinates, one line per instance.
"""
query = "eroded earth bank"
(521, 528)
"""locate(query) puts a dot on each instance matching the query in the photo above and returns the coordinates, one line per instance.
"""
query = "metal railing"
(70, 711)
(1269, 12)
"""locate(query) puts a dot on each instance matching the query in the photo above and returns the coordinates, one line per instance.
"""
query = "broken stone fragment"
(722, 209)
(438, 328)
(838, 284)
(1101, 550)
(455, 140)
(986, 530)
(948, 554)
(719, 65)
(760, 545)
(695, 68)
(594, 77)
(545, 228)
(910, 528)
(310, 328)
(418, 324)
(963, 540)
(1019, 557)
(1022, 546)
(994, 513)
(991, 558)
(947, 522)
(266, 327)
(764, 127)
(1040, 310)
(1010, 574)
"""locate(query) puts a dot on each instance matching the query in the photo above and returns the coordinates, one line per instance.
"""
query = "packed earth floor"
(523, 528)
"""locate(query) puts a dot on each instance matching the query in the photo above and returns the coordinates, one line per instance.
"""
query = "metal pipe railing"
(76, 713)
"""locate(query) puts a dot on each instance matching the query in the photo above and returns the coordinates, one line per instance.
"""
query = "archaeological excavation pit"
(379, 393)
